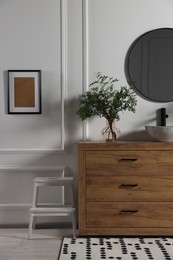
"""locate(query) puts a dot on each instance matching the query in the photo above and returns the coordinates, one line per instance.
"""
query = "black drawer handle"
(128, 211)
(128, 160)
(128, 186)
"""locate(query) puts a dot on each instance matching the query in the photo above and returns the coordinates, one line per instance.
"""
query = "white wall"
(30, 39)
(32, 34)
(112, 27)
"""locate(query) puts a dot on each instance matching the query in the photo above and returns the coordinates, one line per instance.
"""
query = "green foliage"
(105, 101)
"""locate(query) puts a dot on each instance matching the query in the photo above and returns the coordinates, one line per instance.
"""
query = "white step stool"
(61, 210)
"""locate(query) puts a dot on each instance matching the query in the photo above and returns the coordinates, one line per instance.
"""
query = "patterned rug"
(116, 248)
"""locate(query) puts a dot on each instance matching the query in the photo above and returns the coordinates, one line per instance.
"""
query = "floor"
(14, 244)
(45, 245)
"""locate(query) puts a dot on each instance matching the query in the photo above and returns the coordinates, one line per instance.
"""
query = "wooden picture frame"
(24, 91)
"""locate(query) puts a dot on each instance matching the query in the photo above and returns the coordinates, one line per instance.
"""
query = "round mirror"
(150, 65)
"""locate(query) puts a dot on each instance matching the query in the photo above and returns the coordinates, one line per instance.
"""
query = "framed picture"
(24, 91)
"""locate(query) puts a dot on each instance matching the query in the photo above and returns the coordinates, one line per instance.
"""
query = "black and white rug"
(116, 248)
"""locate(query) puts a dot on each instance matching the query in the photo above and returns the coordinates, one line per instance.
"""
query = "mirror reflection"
(150, 65)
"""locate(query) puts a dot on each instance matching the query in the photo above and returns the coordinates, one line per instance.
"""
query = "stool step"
(59, 181)
(49, 179)
(52, 210)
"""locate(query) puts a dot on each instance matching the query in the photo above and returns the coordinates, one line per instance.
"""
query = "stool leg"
(72, 194)
(35, 195)
(30, 225)
(34, 201)
(73, 224)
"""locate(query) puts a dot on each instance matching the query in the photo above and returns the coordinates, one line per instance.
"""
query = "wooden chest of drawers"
(125, 188)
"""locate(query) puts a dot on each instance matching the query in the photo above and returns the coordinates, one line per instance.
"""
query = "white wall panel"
(70, 41)
(112, 27)
(34, 36)
(31, 35)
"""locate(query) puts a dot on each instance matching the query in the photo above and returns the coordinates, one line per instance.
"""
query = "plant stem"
(114, 137)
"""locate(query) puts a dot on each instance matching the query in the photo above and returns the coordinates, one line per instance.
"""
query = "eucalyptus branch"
(104, 100)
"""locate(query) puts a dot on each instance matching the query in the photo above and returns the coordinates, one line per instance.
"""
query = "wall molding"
(15, 206)
(85, 57)
(33, 168)
(63, 77)
(31, 151)
(25, 206)
(63, 22)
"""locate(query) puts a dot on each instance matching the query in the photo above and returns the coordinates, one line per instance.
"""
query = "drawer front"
(129, 162)
(129, 214)
(133, 188)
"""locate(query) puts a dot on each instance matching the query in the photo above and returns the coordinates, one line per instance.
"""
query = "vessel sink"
(160, 133)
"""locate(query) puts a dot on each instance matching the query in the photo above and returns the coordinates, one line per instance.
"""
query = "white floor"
(45, 245)
(14, 244)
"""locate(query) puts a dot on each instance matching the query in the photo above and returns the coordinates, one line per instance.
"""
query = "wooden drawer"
(129, 163)
(125, 188)
(133, 188)
(129, 214)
